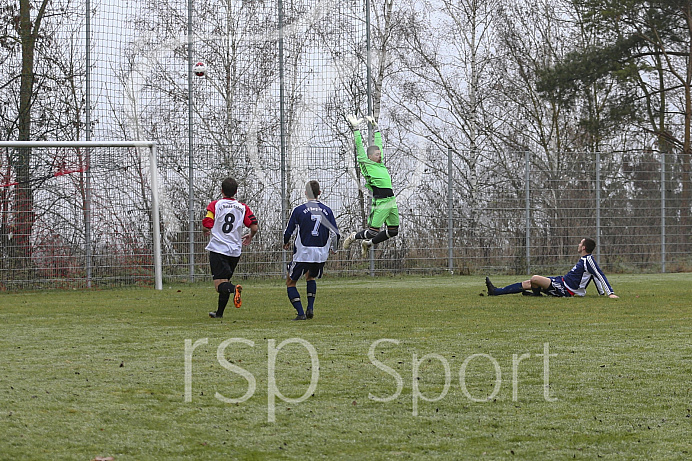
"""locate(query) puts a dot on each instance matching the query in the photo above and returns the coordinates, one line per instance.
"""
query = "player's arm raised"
(354, 122)
(377, 138)
(358, 137)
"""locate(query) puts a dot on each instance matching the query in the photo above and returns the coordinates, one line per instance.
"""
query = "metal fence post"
(527, 188)
(190, 146)
(450, 213)
(87, 132)
(663, 211)
(368, 70)
(282, 120)
(598, 207)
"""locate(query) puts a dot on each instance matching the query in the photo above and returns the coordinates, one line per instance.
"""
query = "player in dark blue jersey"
(574, 283)
(317, 234)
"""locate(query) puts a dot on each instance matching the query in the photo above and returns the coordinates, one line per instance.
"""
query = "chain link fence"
(270, 112)
(516, 217)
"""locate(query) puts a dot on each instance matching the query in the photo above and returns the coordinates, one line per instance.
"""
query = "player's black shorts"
(222, 266)
(297, 269)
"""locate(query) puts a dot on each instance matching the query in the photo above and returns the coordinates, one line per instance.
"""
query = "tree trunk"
(24, 198)
(25, 216)
(686, 148)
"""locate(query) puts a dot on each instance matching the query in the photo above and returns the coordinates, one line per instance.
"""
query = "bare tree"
(32, 106)
(443, 82)
(28, 31)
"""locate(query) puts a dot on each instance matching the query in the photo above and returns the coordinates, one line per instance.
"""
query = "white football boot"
(365, 247)
(349, 240)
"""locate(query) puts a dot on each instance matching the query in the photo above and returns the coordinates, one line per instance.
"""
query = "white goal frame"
(154, 173)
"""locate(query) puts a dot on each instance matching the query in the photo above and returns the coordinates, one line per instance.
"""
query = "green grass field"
(103, 373)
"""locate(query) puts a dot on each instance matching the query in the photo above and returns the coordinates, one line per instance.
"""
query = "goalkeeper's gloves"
(354, 121)
(372, 121)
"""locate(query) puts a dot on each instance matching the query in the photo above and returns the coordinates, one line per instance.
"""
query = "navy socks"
(294, 297)
(312, 290)
(509, 289)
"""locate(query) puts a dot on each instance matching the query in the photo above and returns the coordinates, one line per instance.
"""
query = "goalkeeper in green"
(384, 209)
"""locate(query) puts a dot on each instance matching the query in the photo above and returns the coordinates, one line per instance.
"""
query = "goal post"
(61, 167)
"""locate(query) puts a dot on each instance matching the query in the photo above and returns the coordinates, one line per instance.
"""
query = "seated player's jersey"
(226, 218)
(581, 275)
(315, 227)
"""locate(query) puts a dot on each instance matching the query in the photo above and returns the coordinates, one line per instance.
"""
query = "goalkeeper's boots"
(214, 315)
(237, 302)
(365, 247)
(349, 240)
(491, 287)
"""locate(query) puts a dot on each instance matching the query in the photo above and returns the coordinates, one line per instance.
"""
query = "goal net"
(79, 214)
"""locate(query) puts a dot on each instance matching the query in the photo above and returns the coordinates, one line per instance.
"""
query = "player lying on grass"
(572, 284)
(384, 209)
(224, 222)
(314, 224)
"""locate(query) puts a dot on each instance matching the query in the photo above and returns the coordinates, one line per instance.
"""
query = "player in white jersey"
(573, 283)
(224, 224)
(316, 232)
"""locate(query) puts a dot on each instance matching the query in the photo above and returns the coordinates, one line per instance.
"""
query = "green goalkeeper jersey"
(376, 174)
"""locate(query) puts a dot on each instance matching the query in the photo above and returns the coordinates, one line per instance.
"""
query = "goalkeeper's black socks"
(380, 237)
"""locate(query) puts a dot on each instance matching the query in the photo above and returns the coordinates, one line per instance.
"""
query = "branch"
(39, 17)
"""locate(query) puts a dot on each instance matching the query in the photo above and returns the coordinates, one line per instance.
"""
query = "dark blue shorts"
(558, 288)
(297, 269)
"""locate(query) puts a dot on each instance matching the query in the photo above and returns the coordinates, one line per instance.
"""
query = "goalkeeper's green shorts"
(383, 211)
